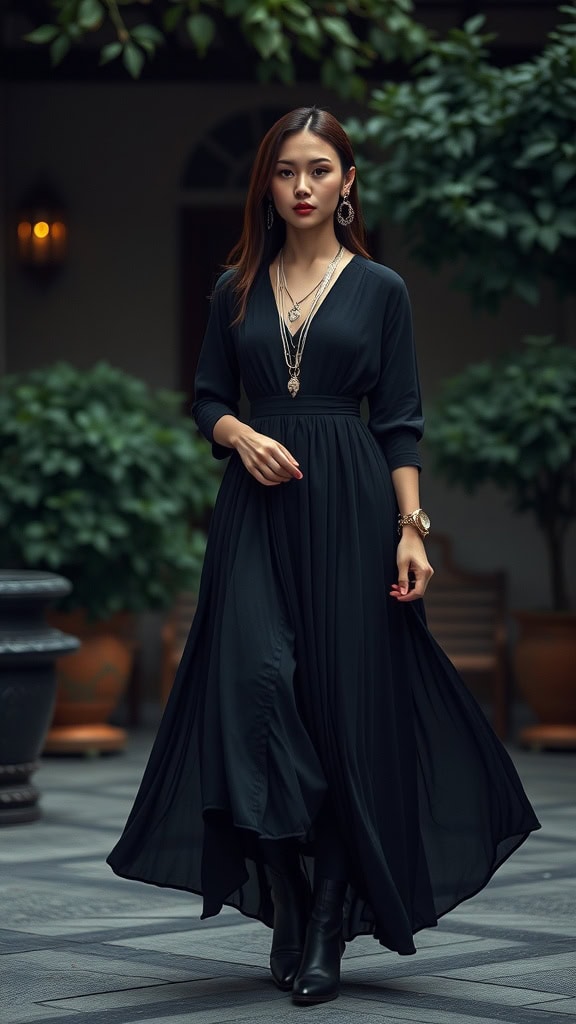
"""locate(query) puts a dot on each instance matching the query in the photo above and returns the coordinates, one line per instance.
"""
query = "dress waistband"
(320, 405)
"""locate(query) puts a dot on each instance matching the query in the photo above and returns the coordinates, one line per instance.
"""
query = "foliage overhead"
(342, 37)
(512, 423)
(478, 163)
(104, 481)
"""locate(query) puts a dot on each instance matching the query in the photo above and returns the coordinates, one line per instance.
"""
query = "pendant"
(294, 313)
(293, 386)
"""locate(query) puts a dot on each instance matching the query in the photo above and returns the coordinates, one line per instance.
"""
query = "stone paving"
(77, 943)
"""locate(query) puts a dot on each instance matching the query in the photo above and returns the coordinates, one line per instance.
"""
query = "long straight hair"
(258, 245)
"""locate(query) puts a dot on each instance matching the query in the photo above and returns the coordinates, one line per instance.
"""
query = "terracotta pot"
(174, 635)
(90, 684)
(545, 670)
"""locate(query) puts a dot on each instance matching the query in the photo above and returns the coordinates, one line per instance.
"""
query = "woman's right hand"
(269, 462)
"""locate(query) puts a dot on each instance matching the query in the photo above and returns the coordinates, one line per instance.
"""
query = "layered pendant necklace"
(294, 313)
(294, 358)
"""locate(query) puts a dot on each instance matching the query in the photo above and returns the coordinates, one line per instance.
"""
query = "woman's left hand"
(411, 558)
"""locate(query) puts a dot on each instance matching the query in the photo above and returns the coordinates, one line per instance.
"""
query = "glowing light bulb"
(41, 229)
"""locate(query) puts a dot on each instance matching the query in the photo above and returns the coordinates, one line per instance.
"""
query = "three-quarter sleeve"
(217, 382)
(395, 404)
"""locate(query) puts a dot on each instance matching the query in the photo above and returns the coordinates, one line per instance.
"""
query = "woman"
(320, 766)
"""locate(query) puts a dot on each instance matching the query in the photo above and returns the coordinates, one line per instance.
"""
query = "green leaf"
(549, 237)
(562, 172)
(298, 8)
(345, 59)
(147, 33)
(147, 46)
(527, 237)
(353, 86)
(90, 14)
(234, 8)
(255, 15)
(110, 52)
(42, 34)
(133, 60)
(339, 30)
(527, 290)
(566, 224)
(545, 210)
(330, 75)
(497, 228)
(201, 29)
(59, 48)
(310, 32)
(267, 37)
(473, 25)
(309, 48)
(538, 149)
(35, 530)
(172, 17)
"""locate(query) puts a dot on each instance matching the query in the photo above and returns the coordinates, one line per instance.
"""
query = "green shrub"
(478, 163)
(513, 423)
(105, 481)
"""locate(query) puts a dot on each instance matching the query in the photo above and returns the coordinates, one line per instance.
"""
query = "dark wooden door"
(206, 237)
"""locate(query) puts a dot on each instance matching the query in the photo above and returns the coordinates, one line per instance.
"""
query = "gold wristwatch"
(418, 518)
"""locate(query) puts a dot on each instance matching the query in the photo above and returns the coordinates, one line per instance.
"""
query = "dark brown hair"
(257, 245)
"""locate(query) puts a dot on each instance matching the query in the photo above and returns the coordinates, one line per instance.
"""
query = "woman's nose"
(302, 187)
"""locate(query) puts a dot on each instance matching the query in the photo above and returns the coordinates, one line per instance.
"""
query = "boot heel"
(292, 905)
(318, 979)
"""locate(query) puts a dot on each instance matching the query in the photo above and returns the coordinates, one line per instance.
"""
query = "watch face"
(424, 521)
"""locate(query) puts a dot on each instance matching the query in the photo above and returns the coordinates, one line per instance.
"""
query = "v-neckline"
(328, 293)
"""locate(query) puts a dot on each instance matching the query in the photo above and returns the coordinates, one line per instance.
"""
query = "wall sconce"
(42, 233)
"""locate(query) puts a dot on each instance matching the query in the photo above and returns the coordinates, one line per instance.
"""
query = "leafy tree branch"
(478, 163)
(344, 38)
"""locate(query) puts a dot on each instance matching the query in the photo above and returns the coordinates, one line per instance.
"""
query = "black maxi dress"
(301, 677)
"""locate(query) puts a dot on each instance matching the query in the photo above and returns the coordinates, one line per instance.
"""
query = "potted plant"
(513, 423)
(109, 484)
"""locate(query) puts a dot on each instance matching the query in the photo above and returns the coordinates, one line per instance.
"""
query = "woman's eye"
(318, 172)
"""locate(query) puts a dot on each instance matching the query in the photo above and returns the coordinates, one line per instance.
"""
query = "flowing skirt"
(301, 678)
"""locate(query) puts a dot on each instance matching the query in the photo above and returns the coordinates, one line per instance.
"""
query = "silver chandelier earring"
(345, 213)
(270, 217)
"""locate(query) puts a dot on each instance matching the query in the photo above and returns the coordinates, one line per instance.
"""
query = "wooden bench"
(466, 613)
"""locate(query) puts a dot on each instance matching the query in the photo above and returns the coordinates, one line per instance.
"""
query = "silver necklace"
(294, 359)
(294, 313)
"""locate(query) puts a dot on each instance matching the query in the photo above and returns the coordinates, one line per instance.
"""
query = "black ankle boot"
(318, 979)
(292, 906)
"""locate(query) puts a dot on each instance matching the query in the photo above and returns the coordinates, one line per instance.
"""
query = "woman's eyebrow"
(316, 160)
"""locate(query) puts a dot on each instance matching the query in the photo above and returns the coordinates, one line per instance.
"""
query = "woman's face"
(307, 182)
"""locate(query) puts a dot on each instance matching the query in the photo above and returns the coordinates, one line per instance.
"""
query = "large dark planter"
(28, 649)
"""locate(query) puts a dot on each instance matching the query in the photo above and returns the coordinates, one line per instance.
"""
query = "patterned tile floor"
(77, 943)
